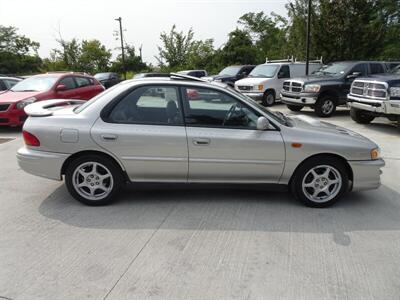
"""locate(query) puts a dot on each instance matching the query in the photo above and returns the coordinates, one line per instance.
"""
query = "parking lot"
(199, 242)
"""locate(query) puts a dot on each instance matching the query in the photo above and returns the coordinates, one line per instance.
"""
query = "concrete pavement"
(175, 242)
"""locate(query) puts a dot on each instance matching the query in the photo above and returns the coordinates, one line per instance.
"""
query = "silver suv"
(179, 129)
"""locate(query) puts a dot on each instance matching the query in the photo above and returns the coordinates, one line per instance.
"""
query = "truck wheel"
(268, 98)
(360, 116)
(325, 106)
(320, 181)
(295, 107)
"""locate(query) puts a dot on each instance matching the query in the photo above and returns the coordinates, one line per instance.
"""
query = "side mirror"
(61, 87)
(353, 75)
(262, 123)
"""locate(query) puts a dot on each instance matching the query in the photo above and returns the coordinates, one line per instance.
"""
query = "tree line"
(341, 30)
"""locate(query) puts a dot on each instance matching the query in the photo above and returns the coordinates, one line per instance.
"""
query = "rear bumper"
(40, 163)
(299, 98)
(12, 117)
(366, 174)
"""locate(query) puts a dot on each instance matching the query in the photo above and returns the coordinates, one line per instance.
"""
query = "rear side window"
(82, 81)
(69, 82)
(376, 69)
(152, 105)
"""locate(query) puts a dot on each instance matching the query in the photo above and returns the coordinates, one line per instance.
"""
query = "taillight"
(30, 139)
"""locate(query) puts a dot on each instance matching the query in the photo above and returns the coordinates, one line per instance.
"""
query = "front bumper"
(40, 163)
(366, 174)
(254, 96)
(303, 99)
(12, 117)
(389, 107)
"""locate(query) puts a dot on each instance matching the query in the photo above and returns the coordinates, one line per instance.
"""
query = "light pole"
(122, 45)
(308, 39)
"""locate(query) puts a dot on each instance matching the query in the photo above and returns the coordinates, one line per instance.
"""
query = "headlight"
(312, 88)
(25, 102)
(259, 87)
(375, 153)
(395, 91)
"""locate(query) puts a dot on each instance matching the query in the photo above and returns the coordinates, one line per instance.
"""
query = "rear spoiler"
(45, 108)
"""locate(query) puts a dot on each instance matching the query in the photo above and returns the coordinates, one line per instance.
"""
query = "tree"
(94, 57)
(133, 61)
(175, 49)
(18, 54)
(239, 49)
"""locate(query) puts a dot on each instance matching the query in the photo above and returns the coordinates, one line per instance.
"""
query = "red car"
(44, 87)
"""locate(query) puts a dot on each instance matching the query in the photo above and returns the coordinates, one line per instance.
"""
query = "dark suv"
(328, 87)
(108, 79)
(231, 74)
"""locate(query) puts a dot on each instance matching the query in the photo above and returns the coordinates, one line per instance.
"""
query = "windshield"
(101, 76)
(35, 84)
(333, 69)
(279, 117)
(230, 71)
(264, 71)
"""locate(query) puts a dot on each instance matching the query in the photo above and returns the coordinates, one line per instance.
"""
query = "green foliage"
(18, 54)
(239, 49)
(133, 62)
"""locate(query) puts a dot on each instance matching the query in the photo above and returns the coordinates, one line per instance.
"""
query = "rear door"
(85, 88)
(224, 144)
(145, 131)
(71, 89)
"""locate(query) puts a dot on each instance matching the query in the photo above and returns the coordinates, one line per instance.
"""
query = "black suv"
(328, 87)
(231, 74)
(108, 79)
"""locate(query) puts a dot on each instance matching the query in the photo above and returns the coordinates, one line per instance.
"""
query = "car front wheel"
(325, 107)
(268, 98)
(320, 182)
(93, 179)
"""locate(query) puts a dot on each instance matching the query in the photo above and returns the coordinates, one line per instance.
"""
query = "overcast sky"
(41, 20)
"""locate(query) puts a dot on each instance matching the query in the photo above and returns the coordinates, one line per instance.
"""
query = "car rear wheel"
(268, 98)
(360, 116)
(320, 182)
(325, 107)
(93, 179)
(295, 107)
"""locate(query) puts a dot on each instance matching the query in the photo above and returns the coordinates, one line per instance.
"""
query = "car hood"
(317, 79)
(12, 97)
(389, 78)
(252, 80)
(320, 128)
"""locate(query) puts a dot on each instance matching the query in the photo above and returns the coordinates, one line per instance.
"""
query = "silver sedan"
(179, 129)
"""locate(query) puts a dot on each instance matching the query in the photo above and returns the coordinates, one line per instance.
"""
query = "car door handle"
(109, 137)
(201, 142)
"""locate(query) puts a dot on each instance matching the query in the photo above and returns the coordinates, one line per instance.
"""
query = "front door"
(224, 144)
(145, 131)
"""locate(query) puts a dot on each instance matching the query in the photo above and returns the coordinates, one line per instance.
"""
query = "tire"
(79, 171)
(268, 98)
(304, 183)
(325, 106)
(295, 107)
(360, 116)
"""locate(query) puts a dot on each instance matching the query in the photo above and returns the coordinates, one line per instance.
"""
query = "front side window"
(68, 82)
(211, 108)
(360, 68)
(284, 72)
(152, 105)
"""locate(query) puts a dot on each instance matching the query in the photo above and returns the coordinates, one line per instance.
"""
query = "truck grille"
(244, 87)
(369, 89)
(4, 107)
(293, 86)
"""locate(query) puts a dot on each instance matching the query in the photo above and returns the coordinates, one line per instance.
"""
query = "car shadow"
(179, 207)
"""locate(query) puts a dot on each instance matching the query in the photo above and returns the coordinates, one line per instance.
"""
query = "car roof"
(9, 77)
(174, 79)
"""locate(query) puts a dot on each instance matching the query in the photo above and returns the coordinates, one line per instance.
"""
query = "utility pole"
(308, 39)
(122, 45)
